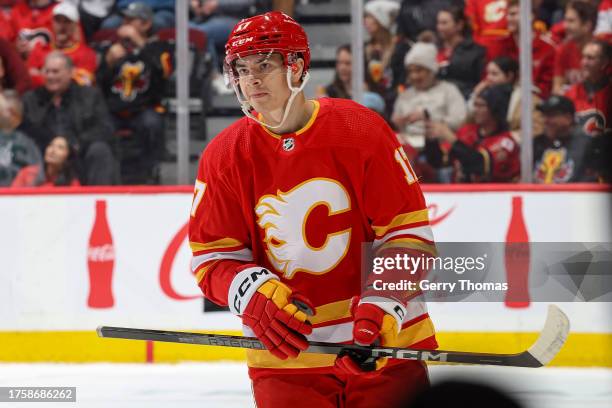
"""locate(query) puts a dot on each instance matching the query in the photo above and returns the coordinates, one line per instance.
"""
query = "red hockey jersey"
(7, 28)
(567, 62)
(301, 205)
(83, 58)
(33, 25)
(488, 19)
(501, 154)
(593, 109)
(543, 58)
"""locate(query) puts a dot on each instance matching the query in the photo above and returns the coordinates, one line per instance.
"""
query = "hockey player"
(284, 199)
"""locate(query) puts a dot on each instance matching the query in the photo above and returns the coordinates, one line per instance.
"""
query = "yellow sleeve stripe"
(331, 311)
(414, 334)
(410, 243)
(402, 219)
(265, 359)
(218, 244)
(202, 271)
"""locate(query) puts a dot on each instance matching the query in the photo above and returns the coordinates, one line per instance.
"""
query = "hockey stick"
(551, 339)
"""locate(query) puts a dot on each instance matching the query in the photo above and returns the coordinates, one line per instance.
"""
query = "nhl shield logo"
(288, 144)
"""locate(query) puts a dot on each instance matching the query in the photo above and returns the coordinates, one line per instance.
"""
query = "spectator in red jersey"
(13, 72)
(563, 153)
(33, 24)
(484, 151)
(593, 96)
(505, 70)
(461, 61)
(67, 39)
(17, 150)
(59, 168)
(62, 107)
(580, 20)
(488, 19)
(7, 28)
(543, 50)
(557, 31)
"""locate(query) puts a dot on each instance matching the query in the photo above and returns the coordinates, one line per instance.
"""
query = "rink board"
(44, 281)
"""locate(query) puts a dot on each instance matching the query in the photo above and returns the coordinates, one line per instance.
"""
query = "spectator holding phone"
(442, 100)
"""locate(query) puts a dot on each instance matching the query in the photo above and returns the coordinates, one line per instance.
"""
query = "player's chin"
(260, 104)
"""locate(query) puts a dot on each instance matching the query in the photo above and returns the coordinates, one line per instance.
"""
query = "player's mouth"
(258, 95)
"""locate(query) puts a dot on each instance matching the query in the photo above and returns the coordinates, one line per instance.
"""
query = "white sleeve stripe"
(244, 255)
(416, 307)
(424, 232)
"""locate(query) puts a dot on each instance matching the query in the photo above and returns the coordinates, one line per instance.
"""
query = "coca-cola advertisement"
(100, 261)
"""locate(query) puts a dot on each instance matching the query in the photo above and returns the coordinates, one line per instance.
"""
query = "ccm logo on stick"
(409, 354)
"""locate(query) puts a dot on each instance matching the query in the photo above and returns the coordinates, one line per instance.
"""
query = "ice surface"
(226, 385)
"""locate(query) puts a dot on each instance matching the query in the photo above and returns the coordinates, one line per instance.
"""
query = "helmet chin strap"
(295, 90)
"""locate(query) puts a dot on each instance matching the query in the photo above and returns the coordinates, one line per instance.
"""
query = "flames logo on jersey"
(283, 217)
(495, 11)
(131, 81)
(35, 36)
(593, 121)
(555, 167)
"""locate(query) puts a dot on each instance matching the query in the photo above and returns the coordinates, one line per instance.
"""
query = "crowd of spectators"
(82, 82)
(448, 71)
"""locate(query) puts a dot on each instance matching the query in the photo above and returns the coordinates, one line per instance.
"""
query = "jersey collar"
(307, 126)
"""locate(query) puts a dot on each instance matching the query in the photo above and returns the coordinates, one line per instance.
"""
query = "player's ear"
(297, 71)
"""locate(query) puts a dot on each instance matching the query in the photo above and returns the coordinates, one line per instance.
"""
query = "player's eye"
(242, 71)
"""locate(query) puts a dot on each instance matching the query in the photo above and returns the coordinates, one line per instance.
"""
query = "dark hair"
(497, 98)
(587, 12)
(606, 48)
(336, 88)
(70, 169)
(508, 65)
(458, 15)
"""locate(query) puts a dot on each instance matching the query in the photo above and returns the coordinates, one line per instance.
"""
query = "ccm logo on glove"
(244, 288)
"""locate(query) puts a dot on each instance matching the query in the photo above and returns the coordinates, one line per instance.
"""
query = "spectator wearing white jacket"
(427, 100)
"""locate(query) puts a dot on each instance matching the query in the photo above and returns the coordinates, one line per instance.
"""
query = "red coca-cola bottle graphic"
(517, 258)
(100, 261)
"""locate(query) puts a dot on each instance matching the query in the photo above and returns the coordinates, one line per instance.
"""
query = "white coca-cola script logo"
(101, 253)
